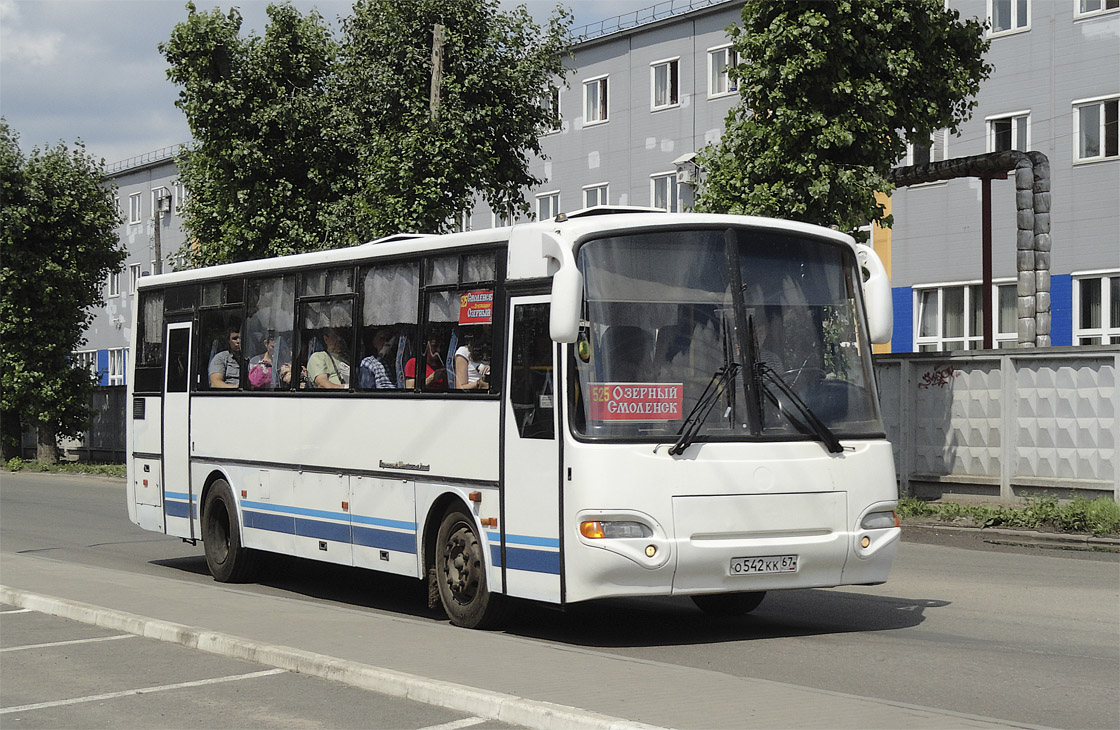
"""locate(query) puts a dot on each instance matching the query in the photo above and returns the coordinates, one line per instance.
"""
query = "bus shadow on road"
(638, 622)
(619, 622)
(316, 580)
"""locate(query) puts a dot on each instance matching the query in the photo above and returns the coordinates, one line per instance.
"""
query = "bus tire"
(729, 604)
(229, 561)
(461, 574)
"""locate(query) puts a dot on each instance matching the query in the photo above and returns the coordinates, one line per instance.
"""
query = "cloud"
(91, 69)
(22, 46)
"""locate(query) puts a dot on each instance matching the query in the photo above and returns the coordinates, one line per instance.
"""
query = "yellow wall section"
(881, 242)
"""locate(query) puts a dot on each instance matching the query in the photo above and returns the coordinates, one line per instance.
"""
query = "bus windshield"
(730, 333)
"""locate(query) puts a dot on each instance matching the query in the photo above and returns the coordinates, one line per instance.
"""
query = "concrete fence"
(104, 442)
(1004, 423)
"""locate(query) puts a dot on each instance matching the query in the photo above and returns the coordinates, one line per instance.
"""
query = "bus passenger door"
(530, 547)
(177, 497)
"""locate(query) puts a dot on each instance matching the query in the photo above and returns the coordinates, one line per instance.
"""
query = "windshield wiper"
(699, 413)
(812, 424)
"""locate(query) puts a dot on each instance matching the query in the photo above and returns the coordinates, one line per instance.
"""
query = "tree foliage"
(830, 95)
(418, 174)
(265, 163)
(58, 236)
(303, 142)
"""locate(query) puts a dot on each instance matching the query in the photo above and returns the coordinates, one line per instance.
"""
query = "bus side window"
(148, 376)
(531, 375)
(387, 338)
(268, 333)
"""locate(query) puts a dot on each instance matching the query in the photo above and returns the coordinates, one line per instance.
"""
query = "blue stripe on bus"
(285, 509)
(297, 526)
(534, 561)
(181, 496)
(173, 508)
(398, 524)
(385, 540)
(550, 542)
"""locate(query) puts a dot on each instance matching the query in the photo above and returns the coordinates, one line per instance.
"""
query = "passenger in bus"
(330, 368)
(435, 374)
(471, 368)
(372, 373)
(769, 332)
(263, 372)
(225, 367)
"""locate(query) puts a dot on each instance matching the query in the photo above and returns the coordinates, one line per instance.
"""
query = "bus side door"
(530, 533)
(179, 504)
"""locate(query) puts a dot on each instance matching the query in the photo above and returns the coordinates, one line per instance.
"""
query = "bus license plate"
(764, 564)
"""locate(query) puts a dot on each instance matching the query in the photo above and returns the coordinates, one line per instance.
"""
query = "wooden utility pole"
(437, 68)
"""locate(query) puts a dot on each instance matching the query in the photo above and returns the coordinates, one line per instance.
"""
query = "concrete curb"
(481, 703)
(1061, 540)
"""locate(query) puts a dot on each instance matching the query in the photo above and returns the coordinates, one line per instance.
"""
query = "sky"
(91, 69)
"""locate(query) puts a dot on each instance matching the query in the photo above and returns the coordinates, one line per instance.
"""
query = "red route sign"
(637, 401)
(476, 307)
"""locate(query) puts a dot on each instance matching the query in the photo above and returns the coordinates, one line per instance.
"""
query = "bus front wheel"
(461, 574)
(729, 604)
(229, 561)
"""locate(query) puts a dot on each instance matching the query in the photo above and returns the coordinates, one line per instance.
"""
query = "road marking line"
(457, 724)
(141, 691)
(68, 643)
(16, 610)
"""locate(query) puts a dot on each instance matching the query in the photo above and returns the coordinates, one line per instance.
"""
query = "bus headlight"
(879, 520)
(596, 529)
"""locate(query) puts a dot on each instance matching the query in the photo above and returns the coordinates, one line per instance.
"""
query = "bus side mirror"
(876, 295)
(567, 289)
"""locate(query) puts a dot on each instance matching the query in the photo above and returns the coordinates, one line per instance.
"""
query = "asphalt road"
(1029, 636)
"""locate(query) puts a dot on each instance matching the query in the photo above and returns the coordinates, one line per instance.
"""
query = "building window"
(1096, 303)
(595, 195)
(720, 60)
(550, 102)
(1006, 316)
(663, 191)
(502, 219)
(664, 86)
(951, 317)
(1095, 124)
(548, 205)
(595, 101)
(1096, 7)
(1009, 132)
(1006, 16)
(181, 196)
(117, 361)
(86, 359)
(936, 150)
(134, 275)
(462, 222)
(114, 284)
(134, 208)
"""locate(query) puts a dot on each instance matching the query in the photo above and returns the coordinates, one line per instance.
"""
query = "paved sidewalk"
(524, 682)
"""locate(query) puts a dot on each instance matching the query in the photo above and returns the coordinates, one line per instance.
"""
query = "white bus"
(614, 402)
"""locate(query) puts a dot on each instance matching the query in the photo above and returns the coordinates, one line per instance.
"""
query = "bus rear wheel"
(461, 574)
(729, 604)
(229, 561)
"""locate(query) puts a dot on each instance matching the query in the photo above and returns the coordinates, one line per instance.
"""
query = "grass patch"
(108, 470)
(1100, 516)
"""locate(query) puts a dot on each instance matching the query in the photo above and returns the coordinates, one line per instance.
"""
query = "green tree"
(830, 94)
(418, 173)
(265, 164)
(58, 239)
(304, 143)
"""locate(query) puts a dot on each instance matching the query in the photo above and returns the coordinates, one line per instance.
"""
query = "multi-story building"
(144, 184)
(650, 89)
(643, 99)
